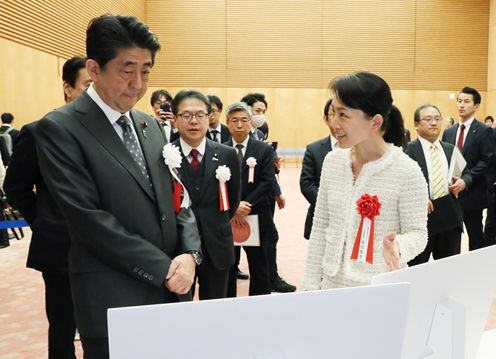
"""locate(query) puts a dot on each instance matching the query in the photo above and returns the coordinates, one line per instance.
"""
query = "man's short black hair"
(70, 70)
(254, 97)
(156, 95)
(107, 34)
(490, 118)
(7, 117)
(475, 94)
(184, 94)
(215, 100)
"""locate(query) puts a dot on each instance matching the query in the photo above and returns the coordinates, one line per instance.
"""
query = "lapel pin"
(144, 125)
(215, 157)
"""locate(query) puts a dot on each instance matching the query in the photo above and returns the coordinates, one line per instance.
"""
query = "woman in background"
(371, 211)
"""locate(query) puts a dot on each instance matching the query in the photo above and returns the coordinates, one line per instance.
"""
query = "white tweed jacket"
(402, 190)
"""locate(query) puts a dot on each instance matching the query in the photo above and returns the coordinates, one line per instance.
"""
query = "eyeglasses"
(188, 116)
(243, 121)
(430, 119)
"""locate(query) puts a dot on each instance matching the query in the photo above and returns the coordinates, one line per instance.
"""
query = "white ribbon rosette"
(172, 158)
(223, 174)
(251, 162)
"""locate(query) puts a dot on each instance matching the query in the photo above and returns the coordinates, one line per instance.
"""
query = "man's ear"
(67, 89)
(93, 69)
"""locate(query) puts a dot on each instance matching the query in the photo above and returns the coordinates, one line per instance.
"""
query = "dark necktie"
(214, 134)
(459, 143)
(239, 146)
(133, 147)
(195, 162)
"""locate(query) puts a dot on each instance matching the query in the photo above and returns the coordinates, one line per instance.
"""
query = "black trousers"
(473, 223)
(271, 247)
(259, 275)
(95, 348)
(490, 225)
(441, 245)
(212, 282)
(60, 314)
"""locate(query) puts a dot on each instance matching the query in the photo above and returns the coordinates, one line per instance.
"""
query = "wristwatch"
(197, 257)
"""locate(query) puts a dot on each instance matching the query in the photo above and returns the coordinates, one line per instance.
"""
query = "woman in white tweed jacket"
(364, 122)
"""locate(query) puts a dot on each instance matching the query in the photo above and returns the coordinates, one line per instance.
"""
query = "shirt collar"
(218, 128)
(427, 144)
(244, 143)
(186, 148)
(468, 122)
(111, 114)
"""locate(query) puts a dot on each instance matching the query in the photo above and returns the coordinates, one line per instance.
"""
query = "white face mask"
(258, 120)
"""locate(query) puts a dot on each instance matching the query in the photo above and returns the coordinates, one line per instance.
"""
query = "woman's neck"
(370, 150)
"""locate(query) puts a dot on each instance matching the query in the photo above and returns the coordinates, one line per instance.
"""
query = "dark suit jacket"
(310, 176)
(444, 220)
(225, 135)
(478, 151)
(257, 193)
(26, 191)
(214, 224)
(124, 234)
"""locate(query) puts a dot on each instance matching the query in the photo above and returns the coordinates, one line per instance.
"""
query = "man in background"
(445, 215)
(474, 140)
(312, 166)
(161, 103)
(8, 135)
(217, 131)
(49, 247)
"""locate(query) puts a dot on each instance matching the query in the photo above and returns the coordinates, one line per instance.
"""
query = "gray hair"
(238, 107)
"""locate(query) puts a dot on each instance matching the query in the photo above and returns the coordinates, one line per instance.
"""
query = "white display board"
(464, 285)
(362, 322)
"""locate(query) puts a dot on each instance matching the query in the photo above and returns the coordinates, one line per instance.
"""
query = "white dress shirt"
(187, 149)
(244, 143)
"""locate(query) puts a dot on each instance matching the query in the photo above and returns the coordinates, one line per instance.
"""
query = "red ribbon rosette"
(368, 208)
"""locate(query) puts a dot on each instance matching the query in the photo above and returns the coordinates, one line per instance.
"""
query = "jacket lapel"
(211, 159)
(448, 151)
(97, 123)
(472, 131)
(325, 147)
(419, 155)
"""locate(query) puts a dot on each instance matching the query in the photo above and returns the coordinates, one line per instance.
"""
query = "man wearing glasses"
(217, 132)
(256, 159)
(445, 216)
(202, 162)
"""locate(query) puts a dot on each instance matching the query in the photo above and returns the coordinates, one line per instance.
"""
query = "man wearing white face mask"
(258, 105)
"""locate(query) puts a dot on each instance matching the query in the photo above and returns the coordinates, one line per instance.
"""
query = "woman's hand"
(391, 251)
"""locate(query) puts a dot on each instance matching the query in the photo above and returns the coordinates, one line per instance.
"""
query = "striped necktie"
(438, 180)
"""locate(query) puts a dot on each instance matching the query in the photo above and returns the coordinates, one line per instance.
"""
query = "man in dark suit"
(445, 219)
(473, 138)
(49, 247)
(102, 162)
(313, 159)
(254, 196)
(217, 132)
(202, 159)
(161, 103)
(490, 224)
